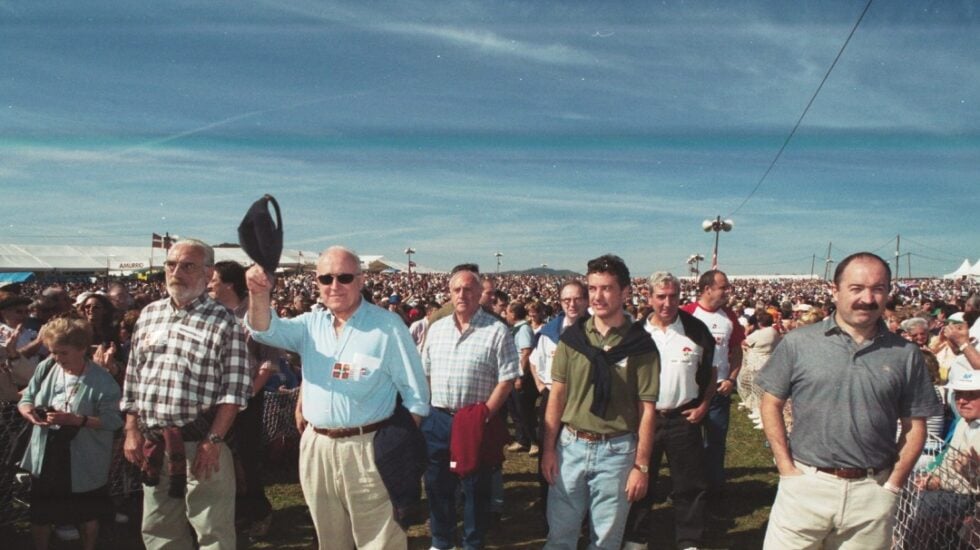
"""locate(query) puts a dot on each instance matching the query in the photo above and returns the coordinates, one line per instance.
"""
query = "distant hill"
(544, 271)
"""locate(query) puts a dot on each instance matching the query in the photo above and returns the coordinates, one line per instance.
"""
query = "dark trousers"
(684, 446)
(715, 435)
(252, 504)
(441, 485)
(542, 482)
(520, 406)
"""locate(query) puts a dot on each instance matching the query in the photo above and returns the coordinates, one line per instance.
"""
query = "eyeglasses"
(342, 278)
(187, 267)
(92, 307)
(572, 300)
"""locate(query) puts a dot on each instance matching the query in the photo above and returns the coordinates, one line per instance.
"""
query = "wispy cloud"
(488, 42)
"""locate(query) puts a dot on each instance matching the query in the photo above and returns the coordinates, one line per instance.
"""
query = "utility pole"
(813, 264)
(828, 262)
(898, 256)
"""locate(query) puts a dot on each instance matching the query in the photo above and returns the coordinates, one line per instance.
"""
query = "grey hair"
(914, 322)
(199, 244)
(663, 278)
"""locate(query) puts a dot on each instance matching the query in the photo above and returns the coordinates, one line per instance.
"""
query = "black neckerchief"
(637, 341)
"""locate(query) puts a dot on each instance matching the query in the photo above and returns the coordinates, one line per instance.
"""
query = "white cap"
(968, 380)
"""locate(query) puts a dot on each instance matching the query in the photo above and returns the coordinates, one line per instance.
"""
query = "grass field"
(737, 521)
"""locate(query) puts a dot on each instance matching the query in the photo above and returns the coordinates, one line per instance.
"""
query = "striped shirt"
(465, 367)
(185, 361)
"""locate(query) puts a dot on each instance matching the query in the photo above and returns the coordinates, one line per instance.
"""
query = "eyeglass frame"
(191, 268)
(327, 279)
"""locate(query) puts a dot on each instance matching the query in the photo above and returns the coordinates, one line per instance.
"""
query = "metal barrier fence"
(939, 507)
(124, 478)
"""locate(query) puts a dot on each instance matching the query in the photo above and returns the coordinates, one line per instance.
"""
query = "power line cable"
(917, 255)
(890, 241)
(805, 110)
(934, 249)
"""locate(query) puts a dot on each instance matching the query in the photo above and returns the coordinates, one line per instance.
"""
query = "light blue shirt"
(523, 335)
(352, 379)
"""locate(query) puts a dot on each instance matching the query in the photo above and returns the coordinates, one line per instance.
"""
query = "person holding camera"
(74, 407)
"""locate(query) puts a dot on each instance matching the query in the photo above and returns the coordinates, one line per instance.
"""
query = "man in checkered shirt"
(187, 374)
(469, 358)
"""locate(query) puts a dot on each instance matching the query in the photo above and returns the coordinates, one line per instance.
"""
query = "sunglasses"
(343, 278)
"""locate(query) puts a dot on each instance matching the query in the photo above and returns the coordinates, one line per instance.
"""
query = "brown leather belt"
(594, 436)
(850, 473)
(337, 433)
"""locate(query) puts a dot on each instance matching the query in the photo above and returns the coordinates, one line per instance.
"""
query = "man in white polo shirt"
(687, 383)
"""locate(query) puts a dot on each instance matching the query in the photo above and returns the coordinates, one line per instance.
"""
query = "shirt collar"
(830, 326)
(620, 330)
(675, 326)
(192, 305)
(357, 312)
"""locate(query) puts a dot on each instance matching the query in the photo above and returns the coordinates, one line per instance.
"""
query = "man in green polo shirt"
(605, 381)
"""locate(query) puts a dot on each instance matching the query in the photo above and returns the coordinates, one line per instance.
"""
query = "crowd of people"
(408, 376)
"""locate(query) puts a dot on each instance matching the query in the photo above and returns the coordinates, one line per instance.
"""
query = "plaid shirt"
(464, 368)
(185, 361)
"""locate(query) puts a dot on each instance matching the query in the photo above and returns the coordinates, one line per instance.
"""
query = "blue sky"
(551, 132)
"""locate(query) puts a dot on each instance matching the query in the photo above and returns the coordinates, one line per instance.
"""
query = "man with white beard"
(187, 378)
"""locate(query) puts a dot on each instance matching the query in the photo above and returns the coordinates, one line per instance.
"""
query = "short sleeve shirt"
(634, 379)
(680, 358)
(465, 367)
(846, 397)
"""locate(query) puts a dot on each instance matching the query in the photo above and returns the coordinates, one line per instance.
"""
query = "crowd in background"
(918, 309)
(113, 307)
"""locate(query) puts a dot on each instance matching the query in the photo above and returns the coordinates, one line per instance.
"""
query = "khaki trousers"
(818, 510)
(208, 506)
(347, 499)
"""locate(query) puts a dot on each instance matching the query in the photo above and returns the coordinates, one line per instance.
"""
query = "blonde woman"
(74, 407)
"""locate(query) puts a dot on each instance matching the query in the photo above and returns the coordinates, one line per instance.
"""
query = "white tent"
(117, 259)
(963, 269)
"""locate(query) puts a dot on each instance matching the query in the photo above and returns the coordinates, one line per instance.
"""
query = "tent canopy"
(16, 277)
(134, 259)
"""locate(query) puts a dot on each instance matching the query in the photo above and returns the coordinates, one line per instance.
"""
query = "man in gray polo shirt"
(850, 381)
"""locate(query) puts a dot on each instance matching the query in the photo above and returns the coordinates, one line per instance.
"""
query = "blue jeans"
(715, 434)
(591, 478)
(441, 485)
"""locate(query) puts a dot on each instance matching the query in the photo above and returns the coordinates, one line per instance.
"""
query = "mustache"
(865, 307)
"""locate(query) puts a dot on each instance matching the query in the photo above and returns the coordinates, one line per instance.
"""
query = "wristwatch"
(215, 438)
(643, 468)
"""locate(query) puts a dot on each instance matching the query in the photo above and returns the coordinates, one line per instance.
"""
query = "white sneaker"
(628, 545)
(66, 532)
